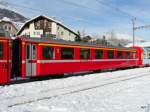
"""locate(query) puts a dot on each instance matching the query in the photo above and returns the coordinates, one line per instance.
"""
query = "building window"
(69, 34)
(9, 28)
(110, 54)
(119, 54)
(67, 53)
(62, 33)
(1, 50)
(47, 33)
(5, 27)
(148, 55)
(36, 33)
(48, 52)
(37, 25)
(49, 25)
(98, 54)
(127, 55)
(84, 53)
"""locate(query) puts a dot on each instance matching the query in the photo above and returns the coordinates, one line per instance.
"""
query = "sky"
(91, 16)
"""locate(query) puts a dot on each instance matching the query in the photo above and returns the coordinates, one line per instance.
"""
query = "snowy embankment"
(119, 91)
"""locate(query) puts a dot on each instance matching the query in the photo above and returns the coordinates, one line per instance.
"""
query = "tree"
(78, 37)
(104, 41)
(86, 38)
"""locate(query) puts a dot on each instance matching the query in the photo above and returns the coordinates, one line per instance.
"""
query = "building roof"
(51, 19)
(10, 22)
(141, 44)
(16, 25)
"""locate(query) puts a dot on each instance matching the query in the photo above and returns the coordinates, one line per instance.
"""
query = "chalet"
(8, 26)
(43, 26)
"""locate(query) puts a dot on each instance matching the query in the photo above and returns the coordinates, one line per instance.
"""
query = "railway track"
(68, 86)
(56, 92)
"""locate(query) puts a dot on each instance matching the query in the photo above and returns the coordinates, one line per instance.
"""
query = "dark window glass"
(1, 50)
(48, 52)
(127, 55)
(62, 33)
(28, 52)
(84, 53)
(5, 27)
(10, 28)
(34, 52)
(120, 54)
(98, 54)
(67, 53)
(110, 54)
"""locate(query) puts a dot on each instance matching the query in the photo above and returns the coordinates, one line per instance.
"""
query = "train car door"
(31, 50)
(3, 62)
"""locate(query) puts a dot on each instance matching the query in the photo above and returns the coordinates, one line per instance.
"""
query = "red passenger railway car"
(5, 60)
(24, 57)
(43, 57)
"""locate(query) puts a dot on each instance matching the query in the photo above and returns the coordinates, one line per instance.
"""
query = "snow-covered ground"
(119, 91)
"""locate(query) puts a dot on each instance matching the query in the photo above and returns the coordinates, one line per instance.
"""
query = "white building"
(43, 26)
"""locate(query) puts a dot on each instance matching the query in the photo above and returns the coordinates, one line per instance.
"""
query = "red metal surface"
(139, 55)
(5, 62)
(55, 68)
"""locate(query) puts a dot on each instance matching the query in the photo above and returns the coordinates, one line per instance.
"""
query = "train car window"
(1, 50)
(134, 55)
(67, 53)
(84, 53)
(28, 52)
(110, 54)
(128, 55)
(48, 52)
(98, 54)
(119, 54)
(34, 52)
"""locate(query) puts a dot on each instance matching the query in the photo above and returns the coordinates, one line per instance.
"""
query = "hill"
(14, 16)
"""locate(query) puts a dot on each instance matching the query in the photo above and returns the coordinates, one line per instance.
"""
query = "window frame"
(85, 50)
(52, 57)
(97, 55)
(121, 56)
(62, 49)
(108, 54)
(128, 56)
(2, 50)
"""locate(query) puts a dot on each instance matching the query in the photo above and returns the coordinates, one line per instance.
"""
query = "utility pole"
(133, 23)
(137, 28)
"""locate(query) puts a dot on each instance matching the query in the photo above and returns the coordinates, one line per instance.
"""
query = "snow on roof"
(17, 25)
(120, 35)
(49, 18)
(141, 44)
(6, 19)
